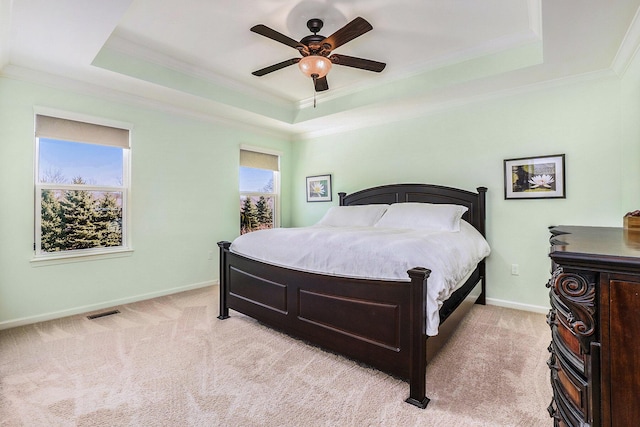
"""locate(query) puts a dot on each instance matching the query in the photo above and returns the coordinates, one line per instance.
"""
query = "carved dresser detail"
(595, 326)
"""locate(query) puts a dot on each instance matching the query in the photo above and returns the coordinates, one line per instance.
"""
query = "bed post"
(224, 307)
(418, 337)
(482, 209)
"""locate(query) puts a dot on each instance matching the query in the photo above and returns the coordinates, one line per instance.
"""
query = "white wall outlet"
(515, 269)
(210, 256)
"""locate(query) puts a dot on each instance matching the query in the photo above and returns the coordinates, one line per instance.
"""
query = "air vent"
(103, 314)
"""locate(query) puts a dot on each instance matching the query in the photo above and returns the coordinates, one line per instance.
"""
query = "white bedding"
(373, 253)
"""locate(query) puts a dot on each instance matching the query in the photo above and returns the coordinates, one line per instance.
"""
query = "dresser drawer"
(567, 343)
(567, 414)
(569, 347)
(571, 389)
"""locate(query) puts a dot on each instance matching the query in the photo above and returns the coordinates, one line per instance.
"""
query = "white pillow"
(353, 216)
(423, 216)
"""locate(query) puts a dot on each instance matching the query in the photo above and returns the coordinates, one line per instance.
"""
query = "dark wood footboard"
(379, 323)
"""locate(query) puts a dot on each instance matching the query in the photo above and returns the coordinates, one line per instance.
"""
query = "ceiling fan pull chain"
(315, 78)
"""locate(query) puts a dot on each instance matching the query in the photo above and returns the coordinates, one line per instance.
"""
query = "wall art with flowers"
(534, 177)
(319, 188)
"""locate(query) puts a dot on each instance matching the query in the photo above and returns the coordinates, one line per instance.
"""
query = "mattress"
(373, 253)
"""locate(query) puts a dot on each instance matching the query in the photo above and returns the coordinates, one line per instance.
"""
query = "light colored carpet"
(170, 362)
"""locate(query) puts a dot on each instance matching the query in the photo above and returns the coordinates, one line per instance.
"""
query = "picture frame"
(541, 177)
(319, 188)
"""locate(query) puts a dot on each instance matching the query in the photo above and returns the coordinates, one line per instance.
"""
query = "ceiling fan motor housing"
(313, 41)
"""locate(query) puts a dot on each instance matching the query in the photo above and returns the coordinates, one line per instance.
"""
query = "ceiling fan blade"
(321, 84)
(364, 64)
(263, 30)
(276, 67)
(353, 29)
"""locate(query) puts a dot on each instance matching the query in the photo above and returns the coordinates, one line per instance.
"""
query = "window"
(81, 187)
(259, 190)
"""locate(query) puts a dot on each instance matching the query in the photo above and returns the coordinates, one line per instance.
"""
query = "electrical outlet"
(210, 255)
(515, 270)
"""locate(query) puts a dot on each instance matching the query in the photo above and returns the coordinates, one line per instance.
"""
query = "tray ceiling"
(197, 56)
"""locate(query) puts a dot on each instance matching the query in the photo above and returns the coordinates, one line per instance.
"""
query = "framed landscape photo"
(534, 177)
(319, 188)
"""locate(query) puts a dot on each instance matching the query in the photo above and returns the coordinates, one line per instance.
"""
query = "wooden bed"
(379, 323)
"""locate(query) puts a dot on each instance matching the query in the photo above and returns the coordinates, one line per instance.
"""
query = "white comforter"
(373, 253)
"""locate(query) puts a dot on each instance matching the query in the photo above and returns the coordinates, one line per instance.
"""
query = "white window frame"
(125, 189)
(276, 182)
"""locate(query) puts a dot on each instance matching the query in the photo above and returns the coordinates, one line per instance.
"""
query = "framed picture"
(534, 177)
(319, 188)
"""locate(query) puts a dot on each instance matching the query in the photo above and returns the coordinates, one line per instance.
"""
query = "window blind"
(71, 130)
(255, 159)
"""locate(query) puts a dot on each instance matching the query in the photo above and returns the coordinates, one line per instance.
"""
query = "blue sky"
(102, 165)
(97, 164)
(252, 179)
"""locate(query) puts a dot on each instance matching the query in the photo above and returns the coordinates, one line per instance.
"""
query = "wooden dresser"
(595, 326)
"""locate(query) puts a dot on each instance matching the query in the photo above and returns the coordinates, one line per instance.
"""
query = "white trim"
(492, 47)
(127, 47)
(425, 108)
(83, 187)
(99, 306)
(628, 48)
(518, 305)
(287, 131)
(54, 258)
(534, 8)
(276, 129)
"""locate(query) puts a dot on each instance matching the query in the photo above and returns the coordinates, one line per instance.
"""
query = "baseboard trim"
(7, 324)
(518, 306)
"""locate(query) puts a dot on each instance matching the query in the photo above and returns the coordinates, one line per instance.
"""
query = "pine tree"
(78, 216)
(264, 213)
(51, 228)
(108, 221)
(248, 216)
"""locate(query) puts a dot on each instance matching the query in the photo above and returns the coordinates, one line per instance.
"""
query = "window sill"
(55, 259)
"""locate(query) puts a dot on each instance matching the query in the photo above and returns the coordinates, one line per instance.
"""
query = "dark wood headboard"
(424, 193)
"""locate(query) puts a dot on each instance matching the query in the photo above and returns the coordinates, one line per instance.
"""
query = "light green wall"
(630, 161)
(184, 200)
(465, 147)
(184, 186)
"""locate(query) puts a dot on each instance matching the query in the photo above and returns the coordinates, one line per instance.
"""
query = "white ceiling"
(196, 56)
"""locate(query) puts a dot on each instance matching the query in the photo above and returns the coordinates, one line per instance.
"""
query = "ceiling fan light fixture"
(315, 66)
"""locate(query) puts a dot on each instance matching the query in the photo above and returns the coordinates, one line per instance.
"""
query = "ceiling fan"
(315, 50)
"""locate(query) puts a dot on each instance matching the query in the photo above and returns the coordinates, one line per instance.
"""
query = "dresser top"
(610, 247)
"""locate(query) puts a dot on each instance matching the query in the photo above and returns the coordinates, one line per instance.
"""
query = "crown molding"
(130, 48)
(628, 48)
(495, 46)
(423, 106)
(333, 124)
(330, 125)
(534, 8)
(208, 111)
